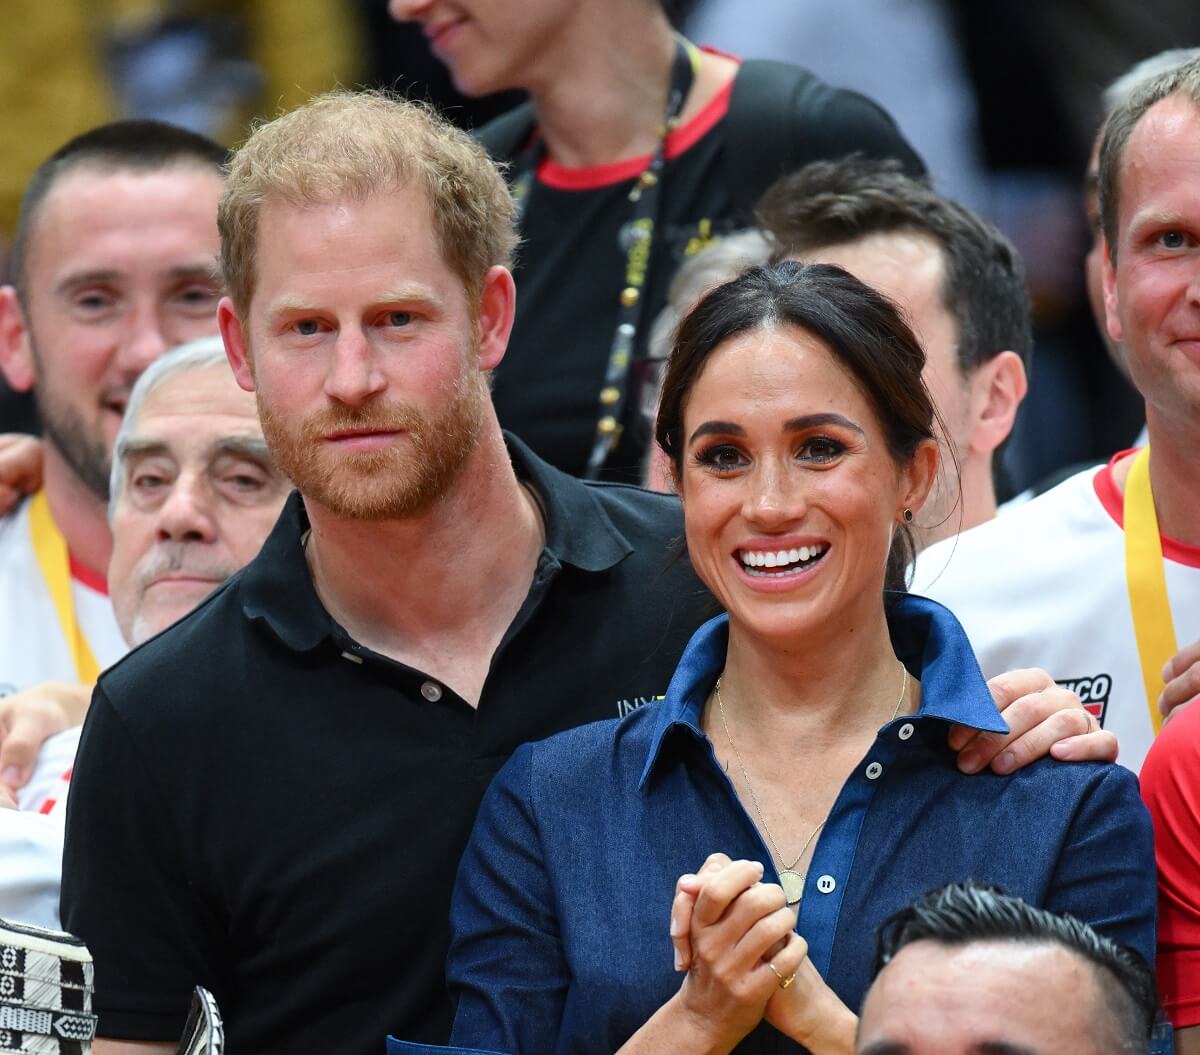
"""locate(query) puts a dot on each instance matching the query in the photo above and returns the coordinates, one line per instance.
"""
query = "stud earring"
(907, 514)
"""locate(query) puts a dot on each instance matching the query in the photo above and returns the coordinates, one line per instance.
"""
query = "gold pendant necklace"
(791, 880)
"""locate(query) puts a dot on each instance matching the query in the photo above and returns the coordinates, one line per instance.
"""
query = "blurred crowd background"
(1000, 98)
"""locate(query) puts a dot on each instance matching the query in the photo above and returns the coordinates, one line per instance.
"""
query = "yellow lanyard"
(50, 548)
(1147, 582)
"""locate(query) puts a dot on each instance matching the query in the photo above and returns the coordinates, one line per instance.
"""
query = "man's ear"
(237, 348)
(997, 389)
(16, 349)
(497, 307)
(1108, 275)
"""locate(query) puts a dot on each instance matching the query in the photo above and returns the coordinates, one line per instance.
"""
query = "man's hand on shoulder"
(20, 468)
(1181, 677)
(1043, 719)
(29, 718)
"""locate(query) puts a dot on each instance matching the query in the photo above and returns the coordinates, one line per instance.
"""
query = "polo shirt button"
(826, 884)
(906, 731)
(874, 770)
(432, 691)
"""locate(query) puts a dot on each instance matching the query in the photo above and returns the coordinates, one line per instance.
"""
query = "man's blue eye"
(1171, 239)
(306, 327)
(399, 318)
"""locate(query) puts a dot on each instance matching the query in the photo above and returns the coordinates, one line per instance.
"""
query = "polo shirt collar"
(579, 531)
(277, 585)
(926, 636)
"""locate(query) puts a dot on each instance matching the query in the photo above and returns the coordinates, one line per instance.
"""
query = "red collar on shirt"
(592, 177)
(89, 577)
(1114, 504)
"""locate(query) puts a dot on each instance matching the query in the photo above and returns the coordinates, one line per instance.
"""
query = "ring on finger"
(783, 982)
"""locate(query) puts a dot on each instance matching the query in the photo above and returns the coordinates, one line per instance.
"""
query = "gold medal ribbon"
(50, 549)
(1147, 582)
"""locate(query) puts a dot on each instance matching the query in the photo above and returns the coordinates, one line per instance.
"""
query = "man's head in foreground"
(1116, 94)
(113, 264)
(962, 285)
(1150, 211)
(365, 246)
(194, 489)
(969, 971)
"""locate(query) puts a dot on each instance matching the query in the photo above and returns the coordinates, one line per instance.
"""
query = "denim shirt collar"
(926, 636)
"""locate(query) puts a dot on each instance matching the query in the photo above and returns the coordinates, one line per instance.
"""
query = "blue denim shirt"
(563, 897)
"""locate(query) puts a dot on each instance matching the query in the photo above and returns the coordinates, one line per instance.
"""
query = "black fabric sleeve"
(781, 117)
(126, 891)
(850, 123)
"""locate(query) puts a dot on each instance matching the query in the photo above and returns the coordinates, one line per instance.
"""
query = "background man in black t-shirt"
(595, 264)
(271, 797)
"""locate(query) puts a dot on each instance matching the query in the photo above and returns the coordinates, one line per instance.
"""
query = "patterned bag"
(45, 992)
(204, 1033)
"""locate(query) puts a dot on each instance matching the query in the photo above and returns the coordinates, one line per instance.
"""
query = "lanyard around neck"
(50, 549)
(1146, 579)
(637, 236)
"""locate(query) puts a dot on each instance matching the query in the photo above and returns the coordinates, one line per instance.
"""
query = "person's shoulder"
(818, 119)
(1017, 538)
(1173, 761)
(587, 754)
(187, 658)
(637, 511)
(1107, 785)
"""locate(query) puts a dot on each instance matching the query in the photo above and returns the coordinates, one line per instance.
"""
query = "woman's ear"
(919, 475)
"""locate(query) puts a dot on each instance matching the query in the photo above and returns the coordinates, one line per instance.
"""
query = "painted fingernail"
(970, 762)
(1005, 762)
(11, 776)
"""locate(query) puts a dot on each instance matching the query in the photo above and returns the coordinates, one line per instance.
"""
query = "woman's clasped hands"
(735, 937)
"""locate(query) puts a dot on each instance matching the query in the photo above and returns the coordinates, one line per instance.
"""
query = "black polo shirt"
(265, 807)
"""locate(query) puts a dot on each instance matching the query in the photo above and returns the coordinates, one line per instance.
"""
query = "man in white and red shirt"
(113, 264)
(1044, 586)
(1050, 583)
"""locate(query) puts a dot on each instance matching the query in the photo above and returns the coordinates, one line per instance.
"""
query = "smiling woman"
(794, 787)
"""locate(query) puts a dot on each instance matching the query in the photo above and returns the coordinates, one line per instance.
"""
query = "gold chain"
(750, 787)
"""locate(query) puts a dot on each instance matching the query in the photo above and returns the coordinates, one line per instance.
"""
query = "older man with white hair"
(194, 493)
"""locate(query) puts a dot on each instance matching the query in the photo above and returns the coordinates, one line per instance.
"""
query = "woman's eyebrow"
(813, 421)
(807, 421)
(711, 428)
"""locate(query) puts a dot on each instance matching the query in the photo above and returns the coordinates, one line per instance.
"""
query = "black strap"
(645, 199)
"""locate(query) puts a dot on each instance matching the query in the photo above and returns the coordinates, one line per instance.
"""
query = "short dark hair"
(132, 144)
(963, 913)
(864, 332)
(1118, 129)
(983, 287)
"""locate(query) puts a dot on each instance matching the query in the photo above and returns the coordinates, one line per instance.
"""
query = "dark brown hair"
(863, 330)
(137, 144)
(830, 203)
